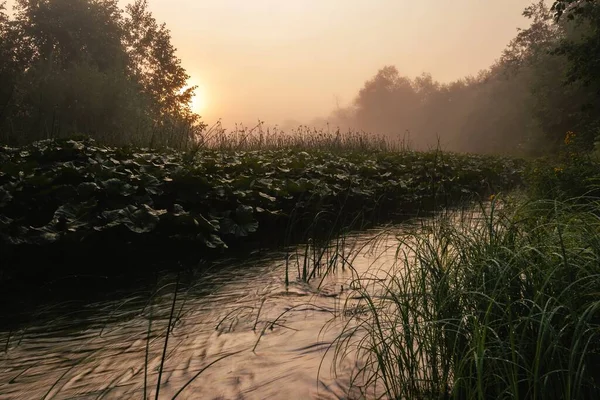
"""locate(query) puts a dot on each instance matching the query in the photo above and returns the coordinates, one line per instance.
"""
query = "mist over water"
(522, 103)
(462, 77)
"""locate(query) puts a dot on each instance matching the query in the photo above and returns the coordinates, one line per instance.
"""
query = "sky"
(277, 60)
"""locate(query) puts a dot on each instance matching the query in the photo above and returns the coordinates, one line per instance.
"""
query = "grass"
(503, 304)
(500, 303)
(301, 138)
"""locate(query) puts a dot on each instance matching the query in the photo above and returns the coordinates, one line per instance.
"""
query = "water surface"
(238, 332)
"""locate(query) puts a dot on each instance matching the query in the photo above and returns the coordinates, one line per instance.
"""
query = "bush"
(572, 173)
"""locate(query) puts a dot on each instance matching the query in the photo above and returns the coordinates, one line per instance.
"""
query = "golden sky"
(295, 59)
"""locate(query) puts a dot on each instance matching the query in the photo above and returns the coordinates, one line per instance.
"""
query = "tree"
(385, 98)
(581, 47)
(153, 62)
(570, 7)
(66, 32)
(88, 67)
(67, 48)
(521, 103)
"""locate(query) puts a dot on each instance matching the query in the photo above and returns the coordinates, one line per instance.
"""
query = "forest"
(544, 84)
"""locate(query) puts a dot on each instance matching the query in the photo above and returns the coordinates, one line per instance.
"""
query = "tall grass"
(303, 137)
(502, 304)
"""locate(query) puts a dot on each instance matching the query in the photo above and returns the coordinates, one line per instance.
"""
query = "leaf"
(205, 224)
(138, 220)
(43, 236)
(87, 189)
(244, 214)
(266, 196)
(213, 242)
(144, 219)
(117, 187)
(230, 227)
(71, 217)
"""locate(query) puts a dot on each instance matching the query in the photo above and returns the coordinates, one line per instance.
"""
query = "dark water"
(238, 333)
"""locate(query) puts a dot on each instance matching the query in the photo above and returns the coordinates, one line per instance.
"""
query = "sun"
(198, 103)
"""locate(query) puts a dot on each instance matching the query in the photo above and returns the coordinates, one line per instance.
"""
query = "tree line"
(545, 83)
(72, 67)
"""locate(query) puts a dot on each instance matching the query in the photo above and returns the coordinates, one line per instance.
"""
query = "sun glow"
(198, 102)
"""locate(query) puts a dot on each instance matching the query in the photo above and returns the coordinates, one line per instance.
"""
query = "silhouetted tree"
(153, 61)
(521, 103)
(87, 66)
(581, 47)
(570, 7)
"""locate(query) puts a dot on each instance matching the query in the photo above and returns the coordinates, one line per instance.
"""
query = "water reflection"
(236, 332)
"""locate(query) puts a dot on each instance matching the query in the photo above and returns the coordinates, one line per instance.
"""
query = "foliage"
(572, 173)
(154, 64)
(76, 196)
(500, 305)
(88, 67)
(582, 47)
(540, 87)
(571, 7)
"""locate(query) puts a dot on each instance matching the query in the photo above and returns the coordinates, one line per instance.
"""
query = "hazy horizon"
(274, 60)
(278, 61)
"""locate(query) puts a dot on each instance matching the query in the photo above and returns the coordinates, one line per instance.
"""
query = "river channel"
(239, 330)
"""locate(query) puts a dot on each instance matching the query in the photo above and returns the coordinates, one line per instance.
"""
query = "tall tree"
(73, 58)
(581, 47)
(87, 66)
(386, 97)
(66, 32)
(153, 62)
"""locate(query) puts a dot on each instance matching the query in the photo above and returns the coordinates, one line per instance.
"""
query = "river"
(238, 332)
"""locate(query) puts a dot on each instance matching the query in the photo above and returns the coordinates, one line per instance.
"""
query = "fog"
(467, 75)
(522, 103)
(296, 60)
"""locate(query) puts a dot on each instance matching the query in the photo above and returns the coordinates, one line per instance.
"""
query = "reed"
(501, 303)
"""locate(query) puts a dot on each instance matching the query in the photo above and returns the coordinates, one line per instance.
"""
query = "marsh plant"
(302, 137)
(64, 196)
(502, 303)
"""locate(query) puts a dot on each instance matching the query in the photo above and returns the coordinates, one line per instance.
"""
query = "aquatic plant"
(499, 304)
(63, 199)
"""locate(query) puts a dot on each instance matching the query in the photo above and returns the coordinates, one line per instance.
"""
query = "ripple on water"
(276, 338)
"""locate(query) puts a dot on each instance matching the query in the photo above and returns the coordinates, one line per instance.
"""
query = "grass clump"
(503, 304)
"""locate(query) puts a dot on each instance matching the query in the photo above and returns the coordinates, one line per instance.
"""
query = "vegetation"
(499, 302)
(70, 67)
(570, 174)
(500, 305)
(544, 84)
(71, 197)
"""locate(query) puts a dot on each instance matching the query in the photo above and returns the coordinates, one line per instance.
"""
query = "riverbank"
(488, 302)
